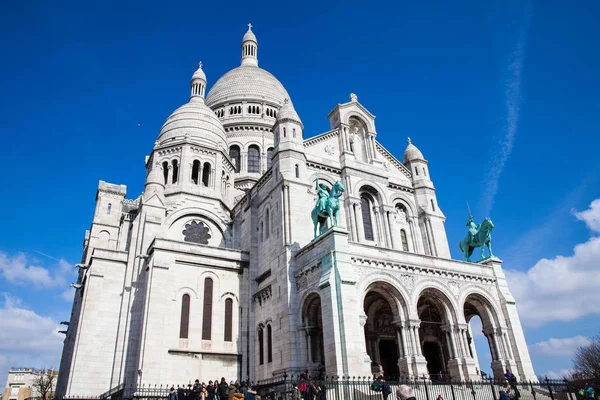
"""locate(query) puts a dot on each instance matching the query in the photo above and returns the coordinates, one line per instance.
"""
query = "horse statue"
(478, 236)
(327, 206)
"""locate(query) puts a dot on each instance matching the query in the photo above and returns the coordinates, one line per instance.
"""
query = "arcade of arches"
(431, 337)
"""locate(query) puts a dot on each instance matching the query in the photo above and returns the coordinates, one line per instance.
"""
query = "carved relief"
(454, 287)
(408, 281)
(262, 295)
(308, 277)
(330, 150)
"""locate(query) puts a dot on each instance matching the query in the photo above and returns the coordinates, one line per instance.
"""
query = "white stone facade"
(214, 270)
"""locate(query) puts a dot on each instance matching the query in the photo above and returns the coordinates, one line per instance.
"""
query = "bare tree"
(44, 383)
(587, 360)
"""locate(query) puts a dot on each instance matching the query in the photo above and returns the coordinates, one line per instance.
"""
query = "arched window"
(424, 171)
(366, 202)
(228, 320)
(239, 109)
(165, 166)
(206, 174)
(195, 171)
(269, 344)
(234, 153)
(404, 240)
(184, 322)
(284, 132)
(175, 171)
(294, 132)
(253, 159)
(262, 231)
(207, 309)
(108, 209)
(432, 205)
(267, 224)
(297, 171)
(269, 157)
(417, 171)
(261, 346)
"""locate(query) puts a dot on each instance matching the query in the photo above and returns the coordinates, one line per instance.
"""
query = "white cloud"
(559, 347)
(512, 95)
(561, 374)
(68, 295)
(22, 269)
(561, 288)
(591, 216)
(26, 338)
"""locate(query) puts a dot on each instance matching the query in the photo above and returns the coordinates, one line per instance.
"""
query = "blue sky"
(501, 97)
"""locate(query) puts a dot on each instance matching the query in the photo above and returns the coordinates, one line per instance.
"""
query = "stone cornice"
(320, 138)
(323, 167)
(421, 270)
(401, 188)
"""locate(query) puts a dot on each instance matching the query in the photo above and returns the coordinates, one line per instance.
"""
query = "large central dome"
(247, 82)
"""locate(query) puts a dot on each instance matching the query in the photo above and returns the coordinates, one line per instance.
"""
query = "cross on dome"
(408, 140)
(200, 64)
(250, 27)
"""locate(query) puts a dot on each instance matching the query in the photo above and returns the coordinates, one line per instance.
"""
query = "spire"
(198, 83)
(249, 48)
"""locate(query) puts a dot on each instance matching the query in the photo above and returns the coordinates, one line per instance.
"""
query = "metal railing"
(362, 388)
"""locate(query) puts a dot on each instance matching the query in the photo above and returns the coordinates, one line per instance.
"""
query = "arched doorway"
(485, 343)
(433, 311)
(313, 327)
(384, 311)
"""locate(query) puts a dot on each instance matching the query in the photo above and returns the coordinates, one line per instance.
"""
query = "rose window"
(196, 232)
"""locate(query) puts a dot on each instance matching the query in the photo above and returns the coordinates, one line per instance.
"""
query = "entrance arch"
(436, 316)
(385, 309)
(476, 305)
(313, 325)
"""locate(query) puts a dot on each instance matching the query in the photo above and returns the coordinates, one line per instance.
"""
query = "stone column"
(362, 320)
(359, 222)
(351, 220)
(413, 235)
(284, 207)
(170, 174)
(386, 225)
(393, 235)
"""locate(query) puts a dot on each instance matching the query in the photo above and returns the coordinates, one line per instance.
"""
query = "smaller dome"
(199, 74)
(412, 153)
(249, 35)
(194, 120)
(287, 112)
(155, 178)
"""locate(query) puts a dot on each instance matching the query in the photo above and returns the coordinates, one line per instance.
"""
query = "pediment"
(325, 145)
(391, 163)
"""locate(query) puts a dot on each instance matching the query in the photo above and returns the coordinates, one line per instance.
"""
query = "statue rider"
(323, 196)
(473, 229)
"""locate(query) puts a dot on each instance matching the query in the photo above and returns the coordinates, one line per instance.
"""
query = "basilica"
(217, 270)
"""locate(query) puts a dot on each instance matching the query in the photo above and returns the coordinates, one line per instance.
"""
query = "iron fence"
(361, 388)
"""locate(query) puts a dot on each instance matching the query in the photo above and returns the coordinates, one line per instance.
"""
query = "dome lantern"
(198, 83)
(249, 48)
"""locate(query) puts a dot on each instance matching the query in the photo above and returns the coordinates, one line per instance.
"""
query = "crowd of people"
(306, 388)
(217, 390)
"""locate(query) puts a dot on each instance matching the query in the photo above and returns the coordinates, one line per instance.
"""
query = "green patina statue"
(327, 206)
(479, 235)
